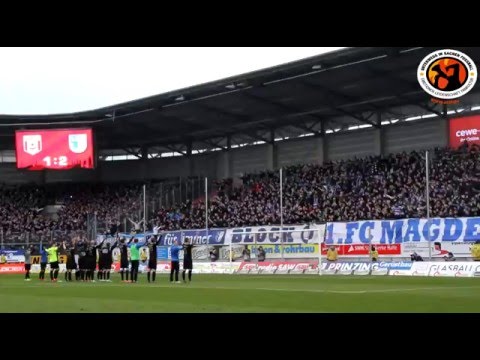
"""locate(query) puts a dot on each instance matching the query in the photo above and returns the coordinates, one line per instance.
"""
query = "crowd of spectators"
(377, 187)
(22, 208)
(386, 187)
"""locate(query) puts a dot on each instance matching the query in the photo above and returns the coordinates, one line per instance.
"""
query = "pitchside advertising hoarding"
(286, 251)
(465, 129)
(11, 256)
(393, 268)
(271, 266)
(345, 266)
(392, 238)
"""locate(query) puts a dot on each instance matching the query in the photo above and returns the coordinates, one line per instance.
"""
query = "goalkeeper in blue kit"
(175, 263)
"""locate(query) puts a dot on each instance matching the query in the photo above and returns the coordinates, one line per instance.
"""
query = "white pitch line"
(371, 291)
(183, 286)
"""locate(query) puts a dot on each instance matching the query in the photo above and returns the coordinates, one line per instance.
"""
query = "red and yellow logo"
(447, 75)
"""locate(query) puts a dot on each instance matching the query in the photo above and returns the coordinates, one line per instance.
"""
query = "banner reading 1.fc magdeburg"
(404, 231)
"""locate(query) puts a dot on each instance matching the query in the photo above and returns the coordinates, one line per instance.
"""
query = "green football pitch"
(244, 293)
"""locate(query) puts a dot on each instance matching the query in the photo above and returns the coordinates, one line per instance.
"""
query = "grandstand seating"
(386, 187)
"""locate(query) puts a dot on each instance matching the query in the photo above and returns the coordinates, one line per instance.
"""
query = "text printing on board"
(465, 129)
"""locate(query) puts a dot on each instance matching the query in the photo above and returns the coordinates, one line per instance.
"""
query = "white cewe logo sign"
(470, 135)
(468, 132)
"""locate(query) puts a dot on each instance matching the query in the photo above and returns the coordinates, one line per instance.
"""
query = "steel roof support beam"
(170, 117)
(174, 149)
(235, 117)
(343, 97)
(255, 136)
(136, 131)
(288, 108)
(430, 109)
(189, 148)
(306, 128)
(358, 117)
(214, 144)
(410, 84)
(133, 152)
(322, 128)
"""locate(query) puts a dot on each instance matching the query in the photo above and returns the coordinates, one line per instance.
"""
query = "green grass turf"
(244, 293)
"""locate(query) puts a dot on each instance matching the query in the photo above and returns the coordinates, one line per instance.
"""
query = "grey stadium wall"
(406, 136)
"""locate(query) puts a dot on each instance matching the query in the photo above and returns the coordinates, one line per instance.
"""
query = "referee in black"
(187, 260)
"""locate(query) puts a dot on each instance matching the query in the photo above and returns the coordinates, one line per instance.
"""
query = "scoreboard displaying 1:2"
(54, 149)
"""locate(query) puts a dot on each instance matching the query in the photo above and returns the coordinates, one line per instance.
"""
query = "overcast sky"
(63, 80)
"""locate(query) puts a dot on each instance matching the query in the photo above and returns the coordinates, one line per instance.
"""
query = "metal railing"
(18, 239)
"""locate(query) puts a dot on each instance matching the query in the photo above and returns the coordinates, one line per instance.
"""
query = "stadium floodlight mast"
(427, 196)
(281, 208)
(144, 211)
(206, 210)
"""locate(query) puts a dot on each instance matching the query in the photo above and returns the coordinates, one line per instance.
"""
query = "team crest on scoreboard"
(32, 144)
(77, 143)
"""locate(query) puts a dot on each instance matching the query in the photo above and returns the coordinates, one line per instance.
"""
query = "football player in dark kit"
(187, 260)
(70, 265)
(28, 263)
(82, 259)
(43, 262)
(123, 246)
(152, 257)
(105, 262)
(92, 259)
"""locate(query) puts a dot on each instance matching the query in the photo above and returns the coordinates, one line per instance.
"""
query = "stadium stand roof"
(347, 88)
